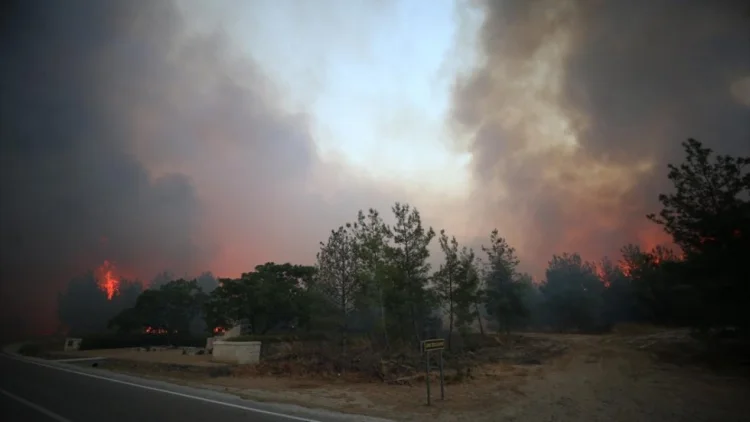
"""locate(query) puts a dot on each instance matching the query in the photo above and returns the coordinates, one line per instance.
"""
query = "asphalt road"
(31, 392)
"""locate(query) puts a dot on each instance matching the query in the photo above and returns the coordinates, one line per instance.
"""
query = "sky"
(374, 76)
(186, 135)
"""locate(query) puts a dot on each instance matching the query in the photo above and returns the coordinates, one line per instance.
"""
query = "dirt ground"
(610, 378)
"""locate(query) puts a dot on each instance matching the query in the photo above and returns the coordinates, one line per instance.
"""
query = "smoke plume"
(127, 138)
(576, 107)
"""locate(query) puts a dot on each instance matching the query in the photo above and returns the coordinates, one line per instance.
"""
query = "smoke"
(575, 108)
(126, 137)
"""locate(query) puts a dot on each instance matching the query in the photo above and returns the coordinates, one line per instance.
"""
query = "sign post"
(433, 345)
(442, 390)
(427, 376)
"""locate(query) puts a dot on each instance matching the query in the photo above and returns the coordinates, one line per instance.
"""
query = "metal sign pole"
(442, 390)
(427, 376)
(433, 345)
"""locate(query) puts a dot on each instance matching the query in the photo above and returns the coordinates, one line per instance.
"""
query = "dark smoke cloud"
(73, 192)
(127, 137)
(629, 81)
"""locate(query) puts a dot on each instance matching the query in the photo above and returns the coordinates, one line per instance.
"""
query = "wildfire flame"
(625, 268)
(219, 330)
(152, 330)
(108, 282)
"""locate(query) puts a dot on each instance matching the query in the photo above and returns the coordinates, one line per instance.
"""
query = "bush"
(30, 349)
(282, 338)
(117, 341)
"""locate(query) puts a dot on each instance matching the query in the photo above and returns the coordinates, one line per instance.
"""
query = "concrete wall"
(241, 352)
(71, 344)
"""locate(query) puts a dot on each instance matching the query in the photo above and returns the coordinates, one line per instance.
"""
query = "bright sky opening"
(371, 76)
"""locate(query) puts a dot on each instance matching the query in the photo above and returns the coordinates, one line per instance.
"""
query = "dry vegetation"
(532, 377)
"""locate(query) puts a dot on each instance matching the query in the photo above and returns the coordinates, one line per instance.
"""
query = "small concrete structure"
(210, 344)
(240, 328)
(241, 352)
(72, 344)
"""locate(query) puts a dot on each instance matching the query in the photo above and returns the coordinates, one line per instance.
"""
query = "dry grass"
(633, 329)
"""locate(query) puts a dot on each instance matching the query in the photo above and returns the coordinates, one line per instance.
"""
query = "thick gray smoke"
(124, 136)
(128, 137)
(73, 193)
(577, 106)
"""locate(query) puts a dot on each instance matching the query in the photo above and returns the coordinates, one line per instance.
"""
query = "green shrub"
(30, 349)
(118, 341)
(281, 338)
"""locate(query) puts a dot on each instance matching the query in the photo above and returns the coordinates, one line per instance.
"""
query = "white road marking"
(161, 390)
(77, 359)
(34, 406)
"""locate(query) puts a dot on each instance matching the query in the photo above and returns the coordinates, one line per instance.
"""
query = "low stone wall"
(72, 344)
(241, 352)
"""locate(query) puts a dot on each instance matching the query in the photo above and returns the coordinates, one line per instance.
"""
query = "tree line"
(373, 278)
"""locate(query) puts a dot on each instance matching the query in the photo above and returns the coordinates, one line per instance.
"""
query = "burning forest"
(546, 191)
(107, 280)
(186, 155)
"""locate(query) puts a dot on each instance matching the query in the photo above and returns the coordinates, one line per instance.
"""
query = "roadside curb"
(13, 349)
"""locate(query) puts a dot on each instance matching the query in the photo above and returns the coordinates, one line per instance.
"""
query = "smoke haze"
(125, 139)
(577, 106)
(128, 136)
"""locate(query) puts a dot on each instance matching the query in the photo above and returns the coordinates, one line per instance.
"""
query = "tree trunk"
(479, 318)
(414, 324)
(450, 313)
(343, 322)
(379, 285)
(344, 329)
(450, 327)
(383, 318)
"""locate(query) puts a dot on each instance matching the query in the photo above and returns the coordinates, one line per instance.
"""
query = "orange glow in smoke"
(107, 280)
(625, 268)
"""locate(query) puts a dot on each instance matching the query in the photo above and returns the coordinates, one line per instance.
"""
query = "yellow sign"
(433, 344)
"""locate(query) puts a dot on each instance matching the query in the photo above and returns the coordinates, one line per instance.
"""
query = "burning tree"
(84, 306)
(108, 281)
